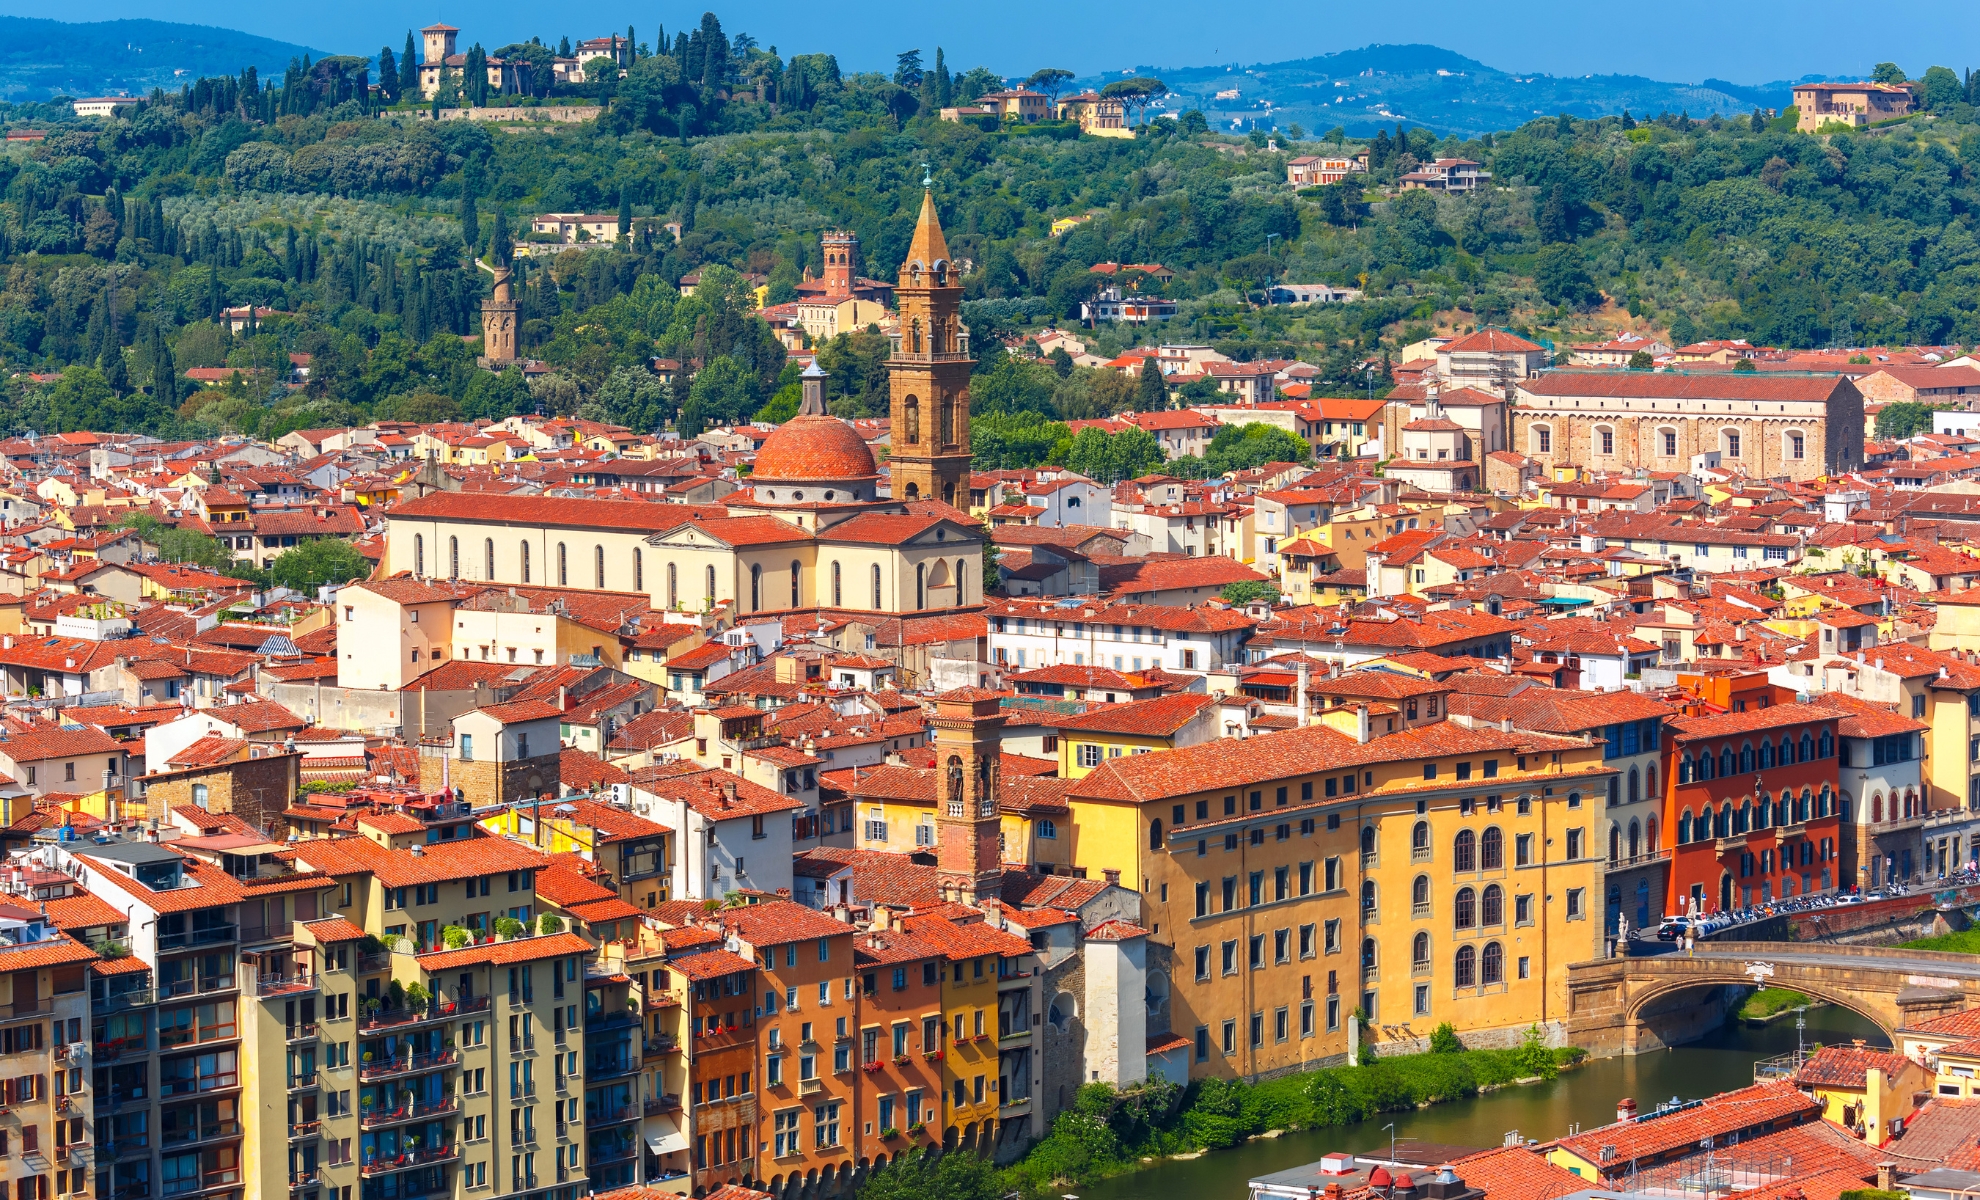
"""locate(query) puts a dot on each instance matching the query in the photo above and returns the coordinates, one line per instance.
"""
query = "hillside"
(1435, 88)
(40, 58)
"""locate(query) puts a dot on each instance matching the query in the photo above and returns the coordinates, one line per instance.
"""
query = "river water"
(1585, 1097)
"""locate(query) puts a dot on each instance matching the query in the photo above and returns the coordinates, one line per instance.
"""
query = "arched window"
(419, 554)
(1684, 768)
(1667, 442)
(1786, 755)
(1155, 834)
(1419, 842)
(1419, 896)
(598, 567)
(755, 587)
(1650, 781)
(920, 586)
(1492, 850)
(1766, 758)
(1492, 906)
(962, 577)
(1729, 442)
(1635, 838)
(1794, 445)
(1876, 808)
(563, 566)
(1368, 950)
(1635, 786)
(453, 558)
(1465, 968)
(1744, 818)
(911, 417)
(1745, 757)
(796, 580)
(1807, 748)
(1826, 746)
(1464, 851)
(1615, 845)
(1367, 896)
(1801, 805)
(711, 586)
(1542, 439)
(1684, 828)
(1492, 964)
(1605, 440)
(525, 561)
(1760, 810)
(1464, 909)
(836, 597)
(639, 570)
(1419, 953)
(877, 605)
(1650, 835)
(1822, 801)
(1368, 841)
(673, 585)
(1726, 761)
(488, 558)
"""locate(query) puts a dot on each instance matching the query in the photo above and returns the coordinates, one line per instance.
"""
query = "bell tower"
(968, 845)
(929, 371)
(841, 272)
(498, 319)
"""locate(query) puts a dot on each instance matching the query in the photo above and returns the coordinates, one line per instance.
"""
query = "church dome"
(814, 449)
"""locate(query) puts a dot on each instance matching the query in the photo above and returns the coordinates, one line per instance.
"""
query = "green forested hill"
(40, 58)
(123, 240)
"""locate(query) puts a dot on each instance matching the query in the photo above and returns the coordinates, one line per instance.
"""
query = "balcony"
(410, 1018)
(1730, 843)
(199, 1085)
(218, 1131)
(284, 985)
(301, 1033)
(196, 987)
(612, 1116)
(368, 963)
(304, 1129)
(302, 1179)
(407, 1065)
(601, 1021)
(664, 1044)
(217, 1181)
(601, 1069)
(131, 998)
(302, 1083)
(373, 1167)
(614, 1154)
(116, 1048)
(212, 936)
(113, 1098)
(370, 1119)
(136, 1143)
(658, 1105)
(522, 1045)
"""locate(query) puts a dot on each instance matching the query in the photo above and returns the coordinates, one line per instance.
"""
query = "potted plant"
(914, 1128)
(507, 928)
(889, 1134)
(417, 997)
(367, 1060)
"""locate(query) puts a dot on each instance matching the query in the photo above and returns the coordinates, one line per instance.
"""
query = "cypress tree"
(625, 212)
(408, 70)
(112, 363)
(388, 74)
(1153, 393)
(470, 197)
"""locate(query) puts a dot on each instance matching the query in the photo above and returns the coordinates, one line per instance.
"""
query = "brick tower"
(930, 372)
(841, 263)
(498, 320)
(968, 847)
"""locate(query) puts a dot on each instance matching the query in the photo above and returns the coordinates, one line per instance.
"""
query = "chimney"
(416, 850)
(1300, 714)
(1361, 733)
(1505, 725)
(1887, 1176)
(728, 793)
(1625, 1111)
(1113, 876)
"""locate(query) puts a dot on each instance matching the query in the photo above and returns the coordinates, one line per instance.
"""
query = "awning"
(667, 1142)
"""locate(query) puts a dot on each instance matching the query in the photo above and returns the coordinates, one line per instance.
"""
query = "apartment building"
(1434, 874)
(46, 1131)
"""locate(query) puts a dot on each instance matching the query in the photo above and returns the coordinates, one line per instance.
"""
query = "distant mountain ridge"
(1429, 86)
(41, 58)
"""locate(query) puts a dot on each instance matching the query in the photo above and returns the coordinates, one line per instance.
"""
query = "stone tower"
(841, 263)
(930, 372)
(968, 849)
(498, 321)
(439, 43)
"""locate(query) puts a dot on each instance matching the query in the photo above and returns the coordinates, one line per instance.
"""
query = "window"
(1605, 437)
(1543, 440)
(1574, 904)
(786, 1131)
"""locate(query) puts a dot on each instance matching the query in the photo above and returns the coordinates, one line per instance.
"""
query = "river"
(1585, 1096)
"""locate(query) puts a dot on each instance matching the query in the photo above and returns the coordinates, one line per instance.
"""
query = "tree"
(1444, 1040)
(1135, 94)
(1552, 221)
(1051, 81)
(1885, 72)
(408, 71)
(1110, 458)
(1245, 591)
(180, 545)
(388, 74)
(1641, 361)
(1683, 331)
(1153, 393)
(907, 69)
(1561, 276)
(724, 393)
(1905, 418)
(1744, 366)
(1942, 89)
(955, 1177)
(320, 563)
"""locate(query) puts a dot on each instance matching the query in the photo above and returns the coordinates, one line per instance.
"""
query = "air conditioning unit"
(622, 793)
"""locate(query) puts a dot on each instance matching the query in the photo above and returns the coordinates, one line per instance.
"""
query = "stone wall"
(256, 790)
(483, 783)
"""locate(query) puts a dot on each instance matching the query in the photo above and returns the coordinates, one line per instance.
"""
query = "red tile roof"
(515, 950)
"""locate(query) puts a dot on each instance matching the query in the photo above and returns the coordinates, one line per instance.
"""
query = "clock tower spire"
(929, 371)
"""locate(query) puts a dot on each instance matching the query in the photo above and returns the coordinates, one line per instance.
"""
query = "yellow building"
(974, 954)
(1089, 739)
(1865, 1091)
(1435, 874)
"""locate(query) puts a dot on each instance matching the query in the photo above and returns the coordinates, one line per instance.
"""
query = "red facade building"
(1752, 803)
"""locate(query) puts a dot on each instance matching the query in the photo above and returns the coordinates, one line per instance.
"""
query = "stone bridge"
(1626, 1005)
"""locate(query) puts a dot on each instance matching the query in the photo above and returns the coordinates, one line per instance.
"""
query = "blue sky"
(1680, 40)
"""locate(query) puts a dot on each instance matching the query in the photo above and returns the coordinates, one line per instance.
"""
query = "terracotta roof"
(1162, 716)
(515, 950)
(710, 964)
(333, 929)
(814, 448)
(440, 862)
(1671, 385)
(60, 951)
(559, 511)
(1516, 1173)
(83, 911)
(776, 922)
(1742, 1109)
(1848, 1066)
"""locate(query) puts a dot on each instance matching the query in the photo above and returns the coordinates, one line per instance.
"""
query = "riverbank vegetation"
(1770, 1002)
(1108, 1131)
(1965, 941)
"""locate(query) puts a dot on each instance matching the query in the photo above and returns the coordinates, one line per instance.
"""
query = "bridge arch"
(1645, 998)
